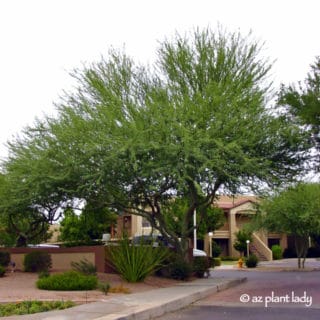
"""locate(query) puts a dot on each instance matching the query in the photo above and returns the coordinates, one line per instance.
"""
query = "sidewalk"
(139, 306)
(311, 264)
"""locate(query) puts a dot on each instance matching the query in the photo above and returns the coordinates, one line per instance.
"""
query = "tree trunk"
(301, 245)
(21, 241)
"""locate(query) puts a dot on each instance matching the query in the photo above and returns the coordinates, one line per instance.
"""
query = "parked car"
(198, 253)
(158, 240)
(155, 241)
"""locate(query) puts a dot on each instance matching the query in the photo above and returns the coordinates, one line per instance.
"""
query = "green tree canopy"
(86, 226)
(137, 138)
(296, 212)
(303, 102)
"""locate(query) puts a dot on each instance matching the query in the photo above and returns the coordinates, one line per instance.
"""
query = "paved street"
(266, 295)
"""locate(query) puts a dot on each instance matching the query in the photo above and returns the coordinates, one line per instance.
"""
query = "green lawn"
(228, 263)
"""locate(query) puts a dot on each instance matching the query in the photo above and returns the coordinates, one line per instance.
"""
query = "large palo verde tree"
(139, 138)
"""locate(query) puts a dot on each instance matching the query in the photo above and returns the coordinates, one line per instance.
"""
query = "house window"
(145, 223)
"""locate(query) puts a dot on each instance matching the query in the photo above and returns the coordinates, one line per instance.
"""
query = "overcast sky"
(43, 40)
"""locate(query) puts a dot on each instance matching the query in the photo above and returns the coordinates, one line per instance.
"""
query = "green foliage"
(43, 274)
(289, 253)
(303, 103)
(180, 269)
(251, 261)
(4, 258)
(89, 225)
(7, 238)
(68, 281)
(132, 138)
(24, 217)
(2, 271)
(80, 243)
(37, 261)
(200, 266)
(294, 211)
(276, 252)
(85, 267)
(216, 249)
(217, 262)
(136, 262)
(29, 307)
(104, 287)
(208, 220)
(241, 240)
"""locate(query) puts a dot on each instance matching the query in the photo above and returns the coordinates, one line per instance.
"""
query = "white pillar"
(195, 229)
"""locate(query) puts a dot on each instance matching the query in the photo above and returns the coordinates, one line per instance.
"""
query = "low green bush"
(289, 253)
(2, 271)
(68, 281)
(82, 243)
(276, 252)
(4, 258)
(313, 252)
(84, 266)
(216, 262)
(180, 269)
(216, 249)
(44, 274)
(29, 307)
(251, 261)
(37, 261)
(104, 287)
(201, 266)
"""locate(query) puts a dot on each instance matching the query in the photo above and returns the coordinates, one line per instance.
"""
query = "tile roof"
(229, 202)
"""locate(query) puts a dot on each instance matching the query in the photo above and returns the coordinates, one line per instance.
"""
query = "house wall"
(62, 257)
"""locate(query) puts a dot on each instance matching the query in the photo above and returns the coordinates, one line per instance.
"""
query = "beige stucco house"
(238, 211)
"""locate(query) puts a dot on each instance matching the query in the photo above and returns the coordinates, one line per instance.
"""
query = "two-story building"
(238, 211)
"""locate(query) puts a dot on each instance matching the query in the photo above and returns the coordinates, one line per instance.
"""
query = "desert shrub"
(104, 287)
(216, 249)
(4, 258)
(119, 289)
(82, 243)
(135, 263)
(241, 240)
(313, 252)
(37, 261)
(43, 274)
(216, 262)
(68, 281)
(289, 253)
(201, 266)
(84, 266)
(251, 261)
(180, 269)
(276, 252)
(2, 271)
(29, 307)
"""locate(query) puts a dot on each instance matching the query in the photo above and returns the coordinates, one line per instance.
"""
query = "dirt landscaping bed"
(20, 286)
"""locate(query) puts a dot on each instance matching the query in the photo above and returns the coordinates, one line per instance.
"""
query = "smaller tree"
(296, 212)
(87, 226)
(241, 242)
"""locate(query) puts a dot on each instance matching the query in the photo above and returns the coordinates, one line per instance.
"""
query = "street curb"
(149, 311)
